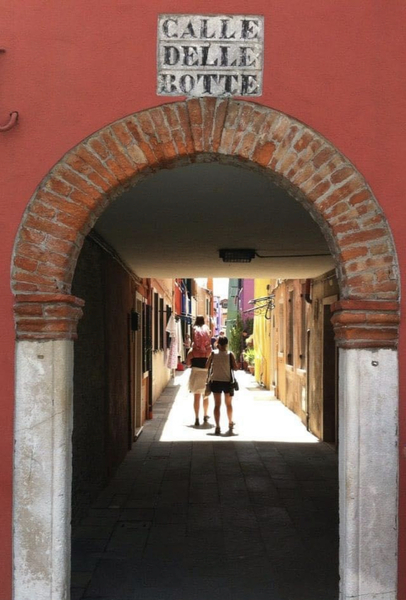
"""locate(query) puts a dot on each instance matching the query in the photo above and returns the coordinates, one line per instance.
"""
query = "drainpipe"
(307, 379)
(308, 299)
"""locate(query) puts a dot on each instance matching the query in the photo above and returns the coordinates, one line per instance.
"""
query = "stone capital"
(47, 316)
(366, 323)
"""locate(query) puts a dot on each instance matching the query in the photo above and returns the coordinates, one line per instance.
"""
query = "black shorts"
(221, 386)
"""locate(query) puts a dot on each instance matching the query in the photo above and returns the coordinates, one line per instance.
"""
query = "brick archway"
(77, 190)
(62, 211)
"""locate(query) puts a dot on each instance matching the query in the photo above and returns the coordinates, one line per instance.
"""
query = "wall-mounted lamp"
(237, 255)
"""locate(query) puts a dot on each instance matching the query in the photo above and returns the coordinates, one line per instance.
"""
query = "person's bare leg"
(217, 404)
(196, 406)
(205, 408)
(229, 405)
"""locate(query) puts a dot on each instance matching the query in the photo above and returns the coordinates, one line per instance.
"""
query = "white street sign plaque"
(210, 55)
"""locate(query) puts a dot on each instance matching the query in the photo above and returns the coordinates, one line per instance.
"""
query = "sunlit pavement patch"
(257, 414)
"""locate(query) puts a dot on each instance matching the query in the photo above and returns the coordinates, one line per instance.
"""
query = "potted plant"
(249, 356)
(236, 340)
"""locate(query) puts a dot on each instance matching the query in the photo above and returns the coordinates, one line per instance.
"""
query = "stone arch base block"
(62, 211)
(368, 473)
(42, 470)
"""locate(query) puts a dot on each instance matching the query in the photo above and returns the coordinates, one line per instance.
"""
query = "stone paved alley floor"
(191, 516)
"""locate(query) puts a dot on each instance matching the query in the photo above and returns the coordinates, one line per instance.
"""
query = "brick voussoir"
(118, 155)
(269, 140)
(125, 140)
(300, 177)
(90, 157)
(195, 117)
(305, 156)
(43, 209)
(57, 185)
(151, 136)
(164, 134)
(183, 116)
(208, 108)
(323, 156)
(284, 147)
(303, 141)
(242, 127)
(136, 131)
(44, 225)
(366, 235)
(97, 146)
(310, 175)
(257, 120)
(247, 145)
(342, 174)
(230, 127)
(263, 153)
(218, 122)
(319, 192)
(83, 168)
(173, 123)
(162, 131)
(287, 163)
(78, 181)
(281, 128)
(345, 227)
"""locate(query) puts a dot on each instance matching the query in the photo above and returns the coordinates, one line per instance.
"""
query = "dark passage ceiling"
(173, 223)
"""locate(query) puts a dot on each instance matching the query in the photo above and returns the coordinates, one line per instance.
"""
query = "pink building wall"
(72, 67)
(247, 294)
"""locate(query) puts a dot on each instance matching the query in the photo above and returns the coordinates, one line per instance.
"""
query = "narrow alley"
(192, 516)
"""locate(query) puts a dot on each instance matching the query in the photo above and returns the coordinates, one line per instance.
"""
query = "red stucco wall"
(72, 67)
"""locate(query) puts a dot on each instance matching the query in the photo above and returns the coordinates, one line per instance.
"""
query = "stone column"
(368, 448)
(42, 447)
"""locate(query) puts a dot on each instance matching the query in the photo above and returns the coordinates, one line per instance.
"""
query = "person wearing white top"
(220, 366)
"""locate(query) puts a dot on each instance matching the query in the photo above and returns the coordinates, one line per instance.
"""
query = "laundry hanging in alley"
(172, 329)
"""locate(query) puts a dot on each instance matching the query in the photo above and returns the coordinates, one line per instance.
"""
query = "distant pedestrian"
(197, 385)
(201, 346)
(221, 365)
(215, 338)
(197, 359)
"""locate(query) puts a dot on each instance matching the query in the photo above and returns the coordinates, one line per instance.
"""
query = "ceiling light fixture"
(237, 255)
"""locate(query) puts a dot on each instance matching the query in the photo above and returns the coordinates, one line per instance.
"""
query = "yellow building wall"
(262, 339)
